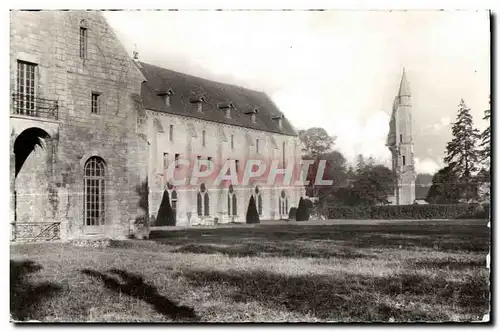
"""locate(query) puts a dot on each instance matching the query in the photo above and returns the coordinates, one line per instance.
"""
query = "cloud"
(443, 123)
(426, 165)
(332, 69)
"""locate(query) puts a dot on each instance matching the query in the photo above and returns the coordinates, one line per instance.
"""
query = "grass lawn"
(399, 271)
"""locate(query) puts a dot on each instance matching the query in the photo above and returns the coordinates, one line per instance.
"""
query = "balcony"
(29, 105)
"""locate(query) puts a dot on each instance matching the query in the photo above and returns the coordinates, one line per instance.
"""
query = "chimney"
(279, 120)
(135, 58)
(166, 94)
(226, 107)
(253, 114)
(198, 101)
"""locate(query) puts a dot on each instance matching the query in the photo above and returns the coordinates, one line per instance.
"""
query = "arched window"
(283, 203)
(203, 201)
(173, 200)
(232, 202)
(258, 200)
(83, 39)
(94, 191)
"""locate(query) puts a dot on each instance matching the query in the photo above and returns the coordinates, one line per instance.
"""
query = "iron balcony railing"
(30, 105)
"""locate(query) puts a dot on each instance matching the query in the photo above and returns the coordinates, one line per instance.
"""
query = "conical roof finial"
(404, 87)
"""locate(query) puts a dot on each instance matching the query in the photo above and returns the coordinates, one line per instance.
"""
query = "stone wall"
(51, 39)
(187, 141)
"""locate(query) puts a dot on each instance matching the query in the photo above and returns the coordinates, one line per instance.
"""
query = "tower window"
(404, 160)
(257, 145)
(203, 138)
(400, 137)
(171, 133)
(232, 142)
(83, 42)
(95, 103)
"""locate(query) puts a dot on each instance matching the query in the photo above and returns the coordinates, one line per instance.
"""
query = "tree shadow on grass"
(134, 286)
(25, 297)
(349, 297)
(289, 250)
(445, 236)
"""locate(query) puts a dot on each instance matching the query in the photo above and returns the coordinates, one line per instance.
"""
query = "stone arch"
(33, 182)
(283, 203)
(27, 142)
(203, 201)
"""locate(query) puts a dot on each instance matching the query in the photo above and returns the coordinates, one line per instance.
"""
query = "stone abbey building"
(93, 131)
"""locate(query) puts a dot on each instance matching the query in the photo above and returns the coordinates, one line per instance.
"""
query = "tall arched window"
(258, 199)
(232, 202)
(94, 191)
(203, 201)
(283, 203)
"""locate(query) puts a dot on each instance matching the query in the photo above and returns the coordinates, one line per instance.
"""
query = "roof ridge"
(204, 79)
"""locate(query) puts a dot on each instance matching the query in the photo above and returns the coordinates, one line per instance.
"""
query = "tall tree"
(486, 138)
(316, 141)
(444, 189)
(462, 154)
(372, 185)
(335, 170)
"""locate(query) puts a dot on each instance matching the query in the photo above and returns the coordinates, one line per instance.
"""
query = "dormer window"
(167, 94)
(226, 107)
(198, 102)
(253, 114)
(279, 120)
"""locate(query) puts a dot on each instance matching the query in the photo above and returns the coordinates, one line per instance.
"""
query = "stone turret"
(400, 143)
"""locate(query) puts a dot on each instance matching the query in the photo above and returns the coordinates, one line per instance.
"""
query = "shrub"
(428, 211)
(292, 214)
(302, 211)
(252, 213)
(165, 215)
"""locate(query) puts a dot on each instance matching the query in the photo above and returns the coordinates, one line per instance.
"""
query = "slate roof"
(215, 94)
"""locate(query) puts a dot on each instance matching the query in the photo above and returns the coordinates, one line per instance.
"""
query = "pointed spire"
(404, 87)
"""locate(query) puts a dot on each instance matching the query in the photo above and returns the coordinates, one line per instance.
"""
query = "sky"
(339, 70)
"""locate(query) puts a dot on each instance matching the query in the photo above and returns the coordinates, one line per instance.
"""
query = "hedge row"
(427, 211)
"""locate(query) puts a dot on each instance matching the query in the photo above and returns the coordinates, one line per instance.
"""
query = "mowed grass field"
(397, 271)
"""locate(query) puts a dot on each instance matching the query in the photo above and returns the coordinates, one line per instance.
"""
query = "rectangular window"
(26, 86)
(83, 43)
(171, 133)
(95, 103)
(165, 160)
(400, 137)
(237, 162)
(177, 160)
(203, 138)
(232, 142)
(257, 145)
(404, 160)
(209, 163)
